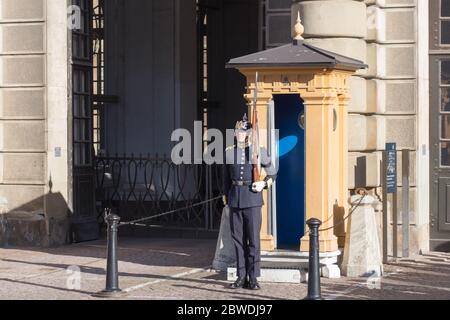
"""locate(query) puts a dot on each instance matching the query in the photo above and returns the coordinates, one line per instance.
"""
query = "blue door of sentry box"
(290, 186)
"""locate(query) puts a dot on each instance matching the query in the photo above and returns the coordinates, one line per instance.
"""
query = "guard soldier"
(244, 197)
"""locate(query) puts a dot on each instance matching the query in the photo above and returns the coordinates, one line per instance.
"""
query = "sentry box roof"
(298, 54)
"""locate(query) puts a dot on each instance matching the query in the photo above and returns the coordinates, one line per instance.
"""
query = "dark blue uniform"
(245, 207)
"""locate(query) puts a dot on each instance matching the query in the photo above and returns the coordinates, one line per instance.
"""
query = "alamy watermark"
(73, 281)
(209, 147)
(74, 17)
(374, 282)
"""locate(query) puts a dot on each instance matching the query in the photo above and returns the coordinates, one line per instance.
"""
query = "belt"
(242, 183)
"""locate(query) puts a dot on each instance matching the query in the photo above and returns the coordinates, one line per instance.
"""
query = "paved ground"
(179, 269)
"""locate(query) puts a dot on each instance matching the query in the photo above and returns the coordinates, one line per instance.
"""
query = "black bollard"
(112, 271)
(314, 263)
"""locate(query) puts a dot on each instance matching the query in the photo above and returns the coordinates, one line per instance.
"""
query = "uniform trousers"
(245, 231)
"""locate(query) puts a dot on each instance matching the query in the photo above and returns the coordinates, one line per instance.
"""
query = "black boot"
(241, 282)
(254, 285)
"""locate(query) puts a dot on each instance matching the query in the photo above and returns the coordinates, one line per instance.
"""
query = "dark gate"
(440, 125)
(440, 153)
(137, 187)
(84, 222)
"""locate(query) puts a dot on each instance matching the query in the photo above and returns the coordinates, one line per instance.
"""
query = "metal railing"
(136, 187)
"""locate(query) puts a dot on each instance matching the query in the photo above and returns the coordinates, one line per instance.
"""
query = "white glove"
(258, 186)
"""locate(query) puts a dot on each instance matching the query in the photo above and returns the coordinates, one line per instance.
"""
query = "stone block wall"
(29, 39)
(22, 118)
(384, 97)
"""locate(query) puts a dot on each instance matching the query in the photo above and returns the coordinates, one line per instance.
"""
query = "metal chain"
(345, 218)
(134, 222)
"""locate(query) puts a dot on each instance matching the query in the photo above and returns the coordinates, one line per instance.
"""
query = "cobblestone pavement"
(179, 269)
(424, 277)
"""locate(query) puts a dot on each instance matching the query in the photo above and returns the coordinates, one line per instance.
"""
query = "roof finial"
(298, 28)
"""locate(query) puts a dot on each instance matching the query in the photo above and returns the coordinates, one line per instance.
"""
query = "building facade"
(84, 79)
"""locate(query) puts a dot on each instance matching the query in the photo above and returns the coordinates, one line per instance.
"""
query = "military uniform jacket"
(238, 168)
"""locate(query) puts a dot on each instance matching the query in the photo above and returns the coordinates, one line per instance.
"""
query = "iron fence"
(137, 187)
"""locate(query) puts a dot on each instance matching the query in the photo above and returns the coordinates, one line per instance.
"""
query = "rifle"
(256, 152)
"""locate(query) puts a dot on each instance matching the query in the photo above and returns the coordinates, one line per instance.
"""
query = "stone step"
(301, 258)
(289, 266)
(297, 261)
(275, 275)
(287, 271)
(282, 265)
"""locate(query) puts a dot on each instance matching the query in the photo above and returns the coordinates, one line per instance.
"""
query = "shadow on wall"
(339, 212)
(29, 225)
(339, 224)
(360, 172)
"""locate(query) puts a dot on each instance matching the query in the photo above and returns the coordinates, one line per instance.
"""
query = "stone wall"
(26, 193)
(384, 97)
